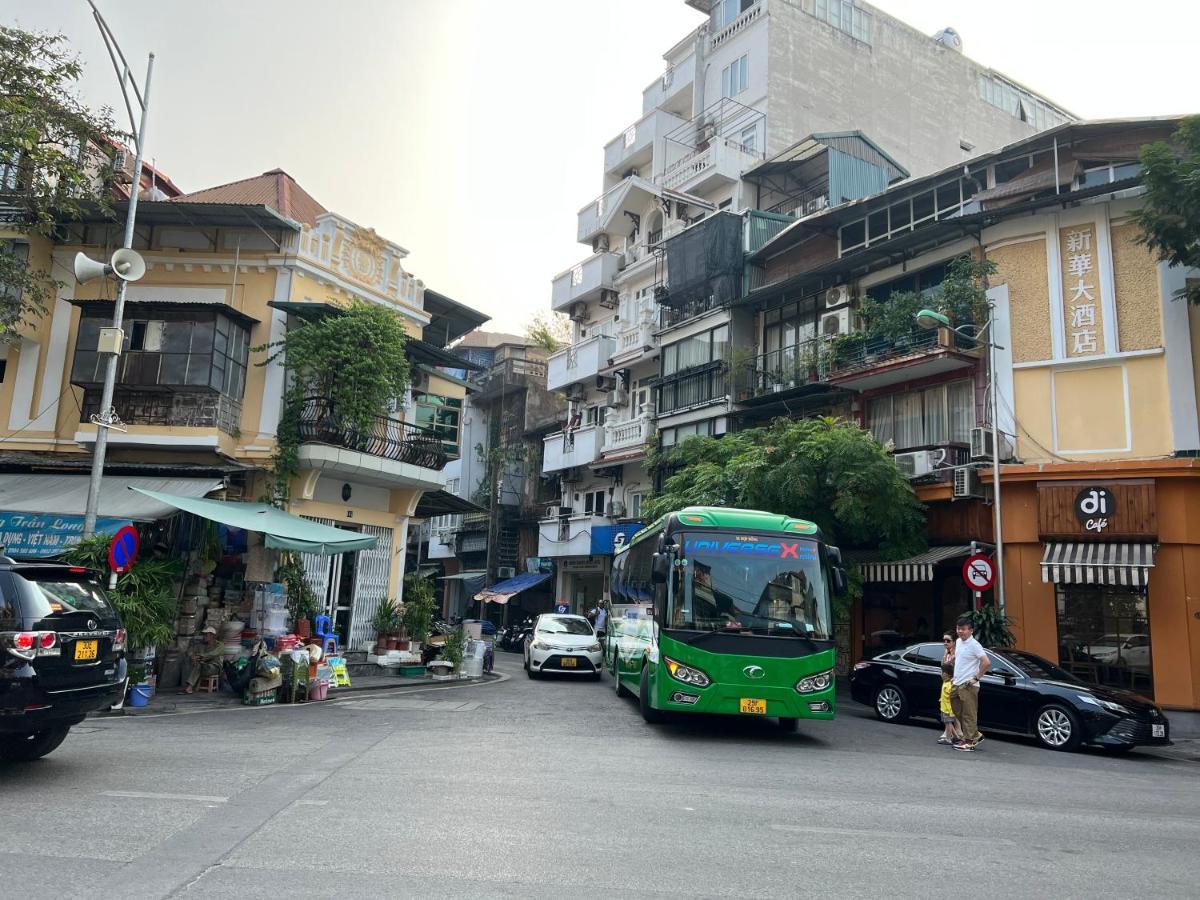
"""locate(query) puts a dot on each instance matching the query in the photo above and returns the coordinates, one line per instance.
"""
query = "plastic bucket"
(140, 695)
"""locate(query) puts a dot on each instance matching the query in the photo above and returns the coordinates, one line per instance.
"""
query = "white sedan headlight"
(594, 648)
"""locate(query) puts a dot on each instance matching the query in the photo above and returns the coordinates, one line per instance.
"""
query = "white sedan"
(563, 644)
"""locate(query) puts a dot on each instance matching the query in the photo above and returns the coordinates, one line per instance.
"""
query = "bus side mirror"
(839, 580)
(660, 567)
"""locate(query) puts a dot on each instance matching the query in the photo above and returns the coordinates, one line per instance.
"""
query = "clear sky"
(472, 131)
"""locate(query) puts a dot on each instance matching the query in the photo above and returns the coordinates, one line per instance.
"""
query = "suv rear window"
(55, 592)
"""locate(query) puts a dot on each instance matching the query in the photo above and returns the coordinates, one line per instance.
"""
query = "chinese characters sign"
(1082, 306)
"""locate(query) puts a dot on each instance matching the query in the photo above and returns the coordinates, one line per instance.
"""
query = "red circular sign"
(979, 572)
(123, 550)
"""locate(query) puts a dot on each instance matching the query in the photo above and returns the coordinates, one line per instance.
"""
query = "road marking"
(902, 835)
(434, 705)
(147, 795)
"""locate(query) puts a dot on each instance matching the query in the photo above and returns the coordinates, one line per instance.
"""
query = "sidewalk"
(176, 701)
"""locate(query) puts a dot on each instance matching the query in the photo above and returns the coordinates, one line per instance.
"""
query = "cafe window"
(442, 416)
(1104, 635)
(941, 414)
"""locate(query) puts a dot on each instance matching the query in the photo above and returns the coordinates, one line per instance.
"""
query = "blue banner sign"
(607, 539)
(40, 534)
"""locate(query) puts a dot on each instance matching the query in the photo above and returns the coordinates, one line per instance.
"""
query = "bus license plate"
(569, 662)
(755, 707)
(86, 649)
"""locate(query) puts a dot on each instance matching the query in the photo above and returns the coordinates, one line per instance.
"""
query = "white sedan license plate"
(1158, 730)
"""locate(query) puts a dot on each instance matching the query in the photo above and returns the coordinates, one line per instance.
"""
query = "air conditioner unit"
(575, 393)
(503, 572)
(616, 509)
(579, 312)
(123, 166)
(600, 243)
(982, 448)
(919, 462)
(836, 322)
(609, 298)
(605, 383)
(616, 398)
(837, 296)
(966, 483)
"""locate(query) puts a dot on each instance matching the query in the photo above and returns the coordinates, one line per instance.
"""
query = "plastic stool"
(323, 629)
(208, 684)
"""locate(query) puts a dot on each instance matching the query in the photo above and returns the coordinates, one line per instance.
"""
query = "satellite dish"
(128, 265)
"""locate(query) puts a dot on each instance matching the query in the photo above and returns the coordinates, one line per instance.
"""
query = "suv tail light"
(119, 639)
(29, 644)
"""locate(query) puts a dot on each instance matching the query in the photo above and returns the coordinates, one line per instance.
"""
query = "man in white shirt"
(970, 664)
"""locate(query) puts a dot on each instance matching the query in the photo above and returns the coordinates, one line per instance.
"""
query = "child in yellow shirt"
(952, 732)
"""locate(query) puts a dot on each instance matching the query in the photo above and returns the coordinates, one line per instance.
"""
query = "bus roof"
(720, 517)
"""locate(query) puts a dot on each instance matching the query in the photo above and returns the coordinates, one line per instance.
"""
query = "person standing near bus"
(970, 664)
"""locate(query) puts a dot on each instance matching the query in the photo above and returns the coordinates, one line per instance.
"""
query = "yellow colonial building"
(230, 269)
(1097, 378)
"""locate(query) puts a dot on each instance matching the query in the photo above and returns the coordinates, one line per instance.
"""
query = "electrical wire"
(45, 410)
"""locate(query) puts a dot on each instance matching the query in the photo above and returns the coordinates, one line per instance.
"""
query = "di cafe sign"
(1106, 510)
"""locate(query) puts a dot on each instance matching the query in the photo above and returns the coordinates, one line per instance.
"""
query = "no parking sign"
(123, 550)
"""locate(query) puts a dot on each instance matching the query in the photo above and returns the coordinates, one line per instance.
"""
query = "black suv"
(62, 654)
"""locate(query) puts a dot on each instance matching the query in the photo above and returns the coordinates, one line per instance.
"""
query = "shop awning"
(464, 576)
(280, 530)
(504, 591)
(66, 495)
(915, 568)
(1123, 565)
(442, 503)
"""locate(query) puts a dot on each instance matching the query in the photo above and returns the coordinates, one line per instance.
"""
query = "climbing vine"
(354, 361)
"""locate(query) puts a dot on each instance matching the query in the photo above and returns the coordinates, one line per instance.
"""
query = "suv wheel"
(28, 747)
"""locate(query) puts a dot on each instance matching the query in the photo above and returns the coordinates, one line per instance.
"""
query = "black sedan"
(1021, 693)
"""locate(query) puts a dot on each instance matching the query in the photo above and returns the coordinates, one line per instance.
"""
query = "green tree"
(1170, 216)
(550, 333)
(826, 470)
(55, 159)
(354, 360)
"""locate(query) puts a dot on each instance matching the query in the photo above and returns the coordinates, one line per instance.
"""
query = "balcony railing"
(692, 388)
(737, 26)
(385, 437)
(567, 450)
(185, 409)
(625, 435)
(670, 316)
(723, 159)
(820, 360)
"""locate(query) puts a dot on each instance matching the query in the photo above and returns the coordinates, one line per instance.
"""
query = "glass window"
(1104, 635)
(934, 401)
(735, 77)
(908, 420)
(750, 139)
(564, 625)
(960, 398)
(948, 198)
(442, 416)
(923, 206)
(854, 234)
(900, 215)
(879, 419)
(877, 225)
(1007, 171)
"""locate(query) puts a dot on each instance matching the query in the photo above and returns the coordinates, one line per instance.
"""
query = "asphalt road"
(557, 789)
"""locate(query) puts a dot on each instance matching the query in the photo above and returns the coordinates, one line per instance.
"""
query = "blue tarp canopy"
(504, 591)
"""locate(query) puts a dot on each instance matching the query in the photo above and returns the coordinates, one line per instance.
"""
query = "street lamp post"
(928, 318)
(104, 419)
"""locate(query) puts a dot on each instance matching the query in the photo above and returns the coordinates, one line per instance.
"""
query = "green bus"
(717, 610)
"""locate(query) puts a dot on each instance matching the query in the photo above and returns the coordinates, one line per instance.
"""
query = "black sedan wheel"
(28, 747)
(890, 704)
(1058, 728)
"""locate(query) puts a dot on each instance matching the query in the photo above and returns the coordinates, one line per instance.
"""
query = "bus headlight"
(686, 674)
(811, 684)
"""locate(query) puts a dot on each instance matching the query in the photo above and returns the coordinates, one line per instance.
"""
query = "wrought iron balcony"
(386, 437)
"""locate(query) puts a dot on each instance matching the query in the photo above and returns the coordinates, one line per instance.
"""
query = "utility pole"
(104, 419)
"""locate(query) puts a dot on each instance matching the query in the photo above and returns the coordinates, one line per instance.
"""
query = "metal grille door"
(317, 570)
(371, 574)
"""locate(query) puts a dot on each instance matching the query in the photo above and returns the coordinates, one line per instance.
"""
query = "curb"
(343, 695)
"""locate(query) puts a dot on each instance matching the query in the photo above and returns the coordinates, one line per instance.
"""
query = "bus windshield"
(759, 584)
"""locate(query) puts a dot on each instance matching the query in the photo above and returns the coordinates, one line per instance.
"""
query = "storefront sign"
(581, 565)
(608, 539)
(1082, 304)
(1109, 510)
(36, 535)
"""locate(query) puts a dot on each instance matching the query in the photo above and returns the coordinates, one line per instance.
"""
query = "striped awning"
(915, 568)
(1125, 565)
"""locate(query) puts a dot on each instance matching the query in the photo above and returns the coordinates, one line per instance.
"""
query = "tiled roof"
(276, 189)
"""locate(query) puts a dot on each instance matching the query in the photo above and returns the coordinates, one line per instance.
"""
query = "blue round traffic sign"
(123, 550)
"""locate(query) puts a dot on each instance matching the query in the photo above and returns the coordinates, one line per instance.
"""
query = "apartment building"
(230, 269)
(507, 414)
(1096, 379)
(766, 111)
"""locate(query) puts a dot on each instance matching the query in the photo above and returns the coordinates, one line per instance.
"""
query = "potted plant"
(456, 646)
(384, 622)
(418, 608)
